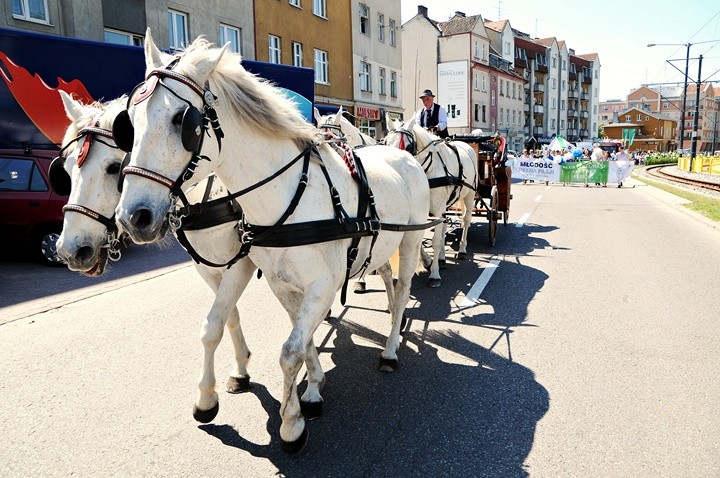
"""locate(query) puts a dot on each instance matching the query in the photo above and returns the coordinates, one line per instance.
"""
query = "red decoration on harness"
(145, 90)
(84, 148)
(402, 142)
(349, 161)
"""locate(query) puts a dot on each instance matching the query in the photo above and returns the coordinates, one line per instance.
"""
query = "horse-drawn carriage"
(492, 195)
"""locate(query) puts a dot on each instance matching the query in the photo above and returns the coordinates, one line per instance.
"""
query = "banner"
(579, 172)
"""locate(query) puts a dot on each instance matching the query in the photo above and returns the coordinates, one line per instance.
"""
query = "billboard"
(453, 86)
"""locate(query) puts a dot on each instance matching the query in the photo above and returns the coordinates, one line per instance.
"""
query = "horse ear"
(338, 116)
(206, 67)
(316, 115)
(410, 124)
(153, 55)
(389, 123)
(73, 109)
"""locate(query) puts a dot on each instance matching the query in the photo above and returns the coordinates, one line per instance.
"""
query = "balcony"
(572, 94)
(526, 107)
(520, 63)
(542, 68)
(572, 113)
(539, 109)
(571, 131)
(584, 114)
(584, 133)
(572, 76)
(526, 130)
(587, 80)
(539, 87)
(584, 96)
(538, 131)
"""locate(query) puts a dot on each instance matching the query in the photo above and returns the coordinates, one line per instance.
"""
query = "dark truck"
(34, 67)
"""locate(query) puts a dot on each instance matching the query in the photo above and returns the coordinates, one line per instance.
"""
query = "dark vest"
(432, 120)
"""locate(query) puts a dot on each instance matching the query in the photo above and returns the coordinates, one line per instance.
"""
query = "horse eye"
(114, 168)
(177, 119)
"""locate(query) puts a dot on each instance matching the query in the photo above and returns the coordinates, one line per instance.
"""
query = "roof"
(459, 24)
(590, 56)
(498, 26)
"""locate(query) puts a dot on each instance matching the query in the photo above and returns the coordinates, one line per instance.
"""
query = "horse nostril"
(141, 218)
(85, 254)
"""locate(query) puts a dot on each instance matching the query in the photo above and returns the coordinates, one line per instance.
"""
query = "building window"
(502, 83)
(381, 74)
(476, 49)
(476, 81)
(393, 84)
(232, 35)
(393, 38)
(514, 90)
(381, 27)
(484, 84)
(562, 124)
(562, 104)
(507, 116)
(666, 105)
(563, 64)
(552, 124)
(639, 117)
(364, 19)
(628, 118)
(365, 76)
(31, 10)
(320, 8)
(553, 103)
(484, 111)
(554, 62)
(177, 30)
(507, 47)
(297, 54)
(492, 99)
(477, 113)
(321, 67)
(295, 3)
(122, 38)
(500, 117)
(274, 53)
(553, 83)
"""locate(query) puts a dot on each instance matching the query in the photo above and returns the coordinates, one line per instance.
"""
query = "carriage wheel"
(492, 215)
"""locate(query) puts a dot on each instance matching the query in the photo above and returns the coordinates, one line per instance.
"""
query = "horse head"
(90, 173)
(163, 130)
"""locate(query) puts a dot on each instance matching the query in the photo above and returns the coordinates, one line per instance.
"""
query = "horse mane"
(255, 101)
(423, 136)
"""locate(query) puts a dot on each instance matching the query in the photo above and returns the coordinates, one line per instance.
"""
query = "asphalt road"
(592, 351)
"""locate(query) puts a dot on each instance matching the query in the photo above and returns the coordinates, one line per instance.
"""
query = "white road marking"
(522, 220)
(539, 198)
(472, 297)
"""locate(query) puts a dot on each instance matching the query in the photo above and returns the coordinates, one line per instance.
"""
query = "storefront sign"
(368, 113)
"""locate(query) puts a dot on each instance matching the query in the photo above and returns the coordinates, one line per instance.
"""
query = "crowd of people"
(584, 154)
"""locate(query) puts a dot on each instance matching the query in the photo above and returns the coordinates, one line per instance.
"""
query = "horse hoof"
(360, 288)
(461, 256)
(205, 416)
(294, 447)
(387, 365)
(311, 410)
(441, 263)
(238, 384)
(434, 283)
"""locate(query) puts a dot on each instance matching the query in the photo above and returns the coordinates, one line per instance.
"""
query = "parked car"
(30, 211)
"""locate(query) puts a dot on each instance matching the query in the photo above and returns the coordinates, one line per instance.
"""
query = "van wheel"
(46, 247)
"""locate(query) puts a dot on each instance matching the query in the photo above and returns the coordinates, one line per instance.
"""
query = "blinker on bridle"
(193, 123)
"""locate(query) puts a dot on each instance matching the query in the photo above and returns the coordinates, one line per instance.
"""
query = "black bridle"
(61, 183)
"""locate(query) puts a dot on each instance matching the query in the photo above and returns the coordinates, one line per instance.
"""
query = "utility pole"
(693, 149)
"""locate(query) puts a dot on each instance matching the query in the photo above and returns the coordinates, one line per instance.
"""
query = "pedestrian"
(432, 116)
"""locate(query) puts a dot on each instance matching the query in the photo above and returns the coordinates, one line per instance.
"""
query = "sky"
(617, 30)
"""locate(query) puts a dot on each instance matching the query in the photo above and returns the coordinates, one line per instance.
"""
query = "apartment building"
(173, 24)
(666, 101)
(527, 89)
(313, 34)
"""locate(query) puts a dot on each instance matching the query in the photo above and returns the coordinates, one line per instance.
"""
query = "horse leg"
(228, 285)
(311, 402)
(385, 272)
(360, 285)
(409, 256)
(294, 353)
(467, 205)
(438, 243)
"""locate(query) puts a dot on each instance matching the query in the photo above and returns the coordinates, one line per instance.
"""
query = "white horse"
(90, 172)
(288, 184)
(451, 169)
(339, 126)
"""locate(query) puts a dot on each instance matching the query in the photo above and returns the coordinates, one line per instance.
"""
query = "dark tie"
(427, 116)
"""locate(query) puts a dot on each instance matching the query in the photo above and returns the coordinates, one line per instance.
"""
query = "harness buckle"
(246, 237)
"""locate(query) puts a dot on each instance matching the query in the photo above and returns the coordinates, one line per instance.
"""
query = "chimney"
(459, 14)
(422, 10)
